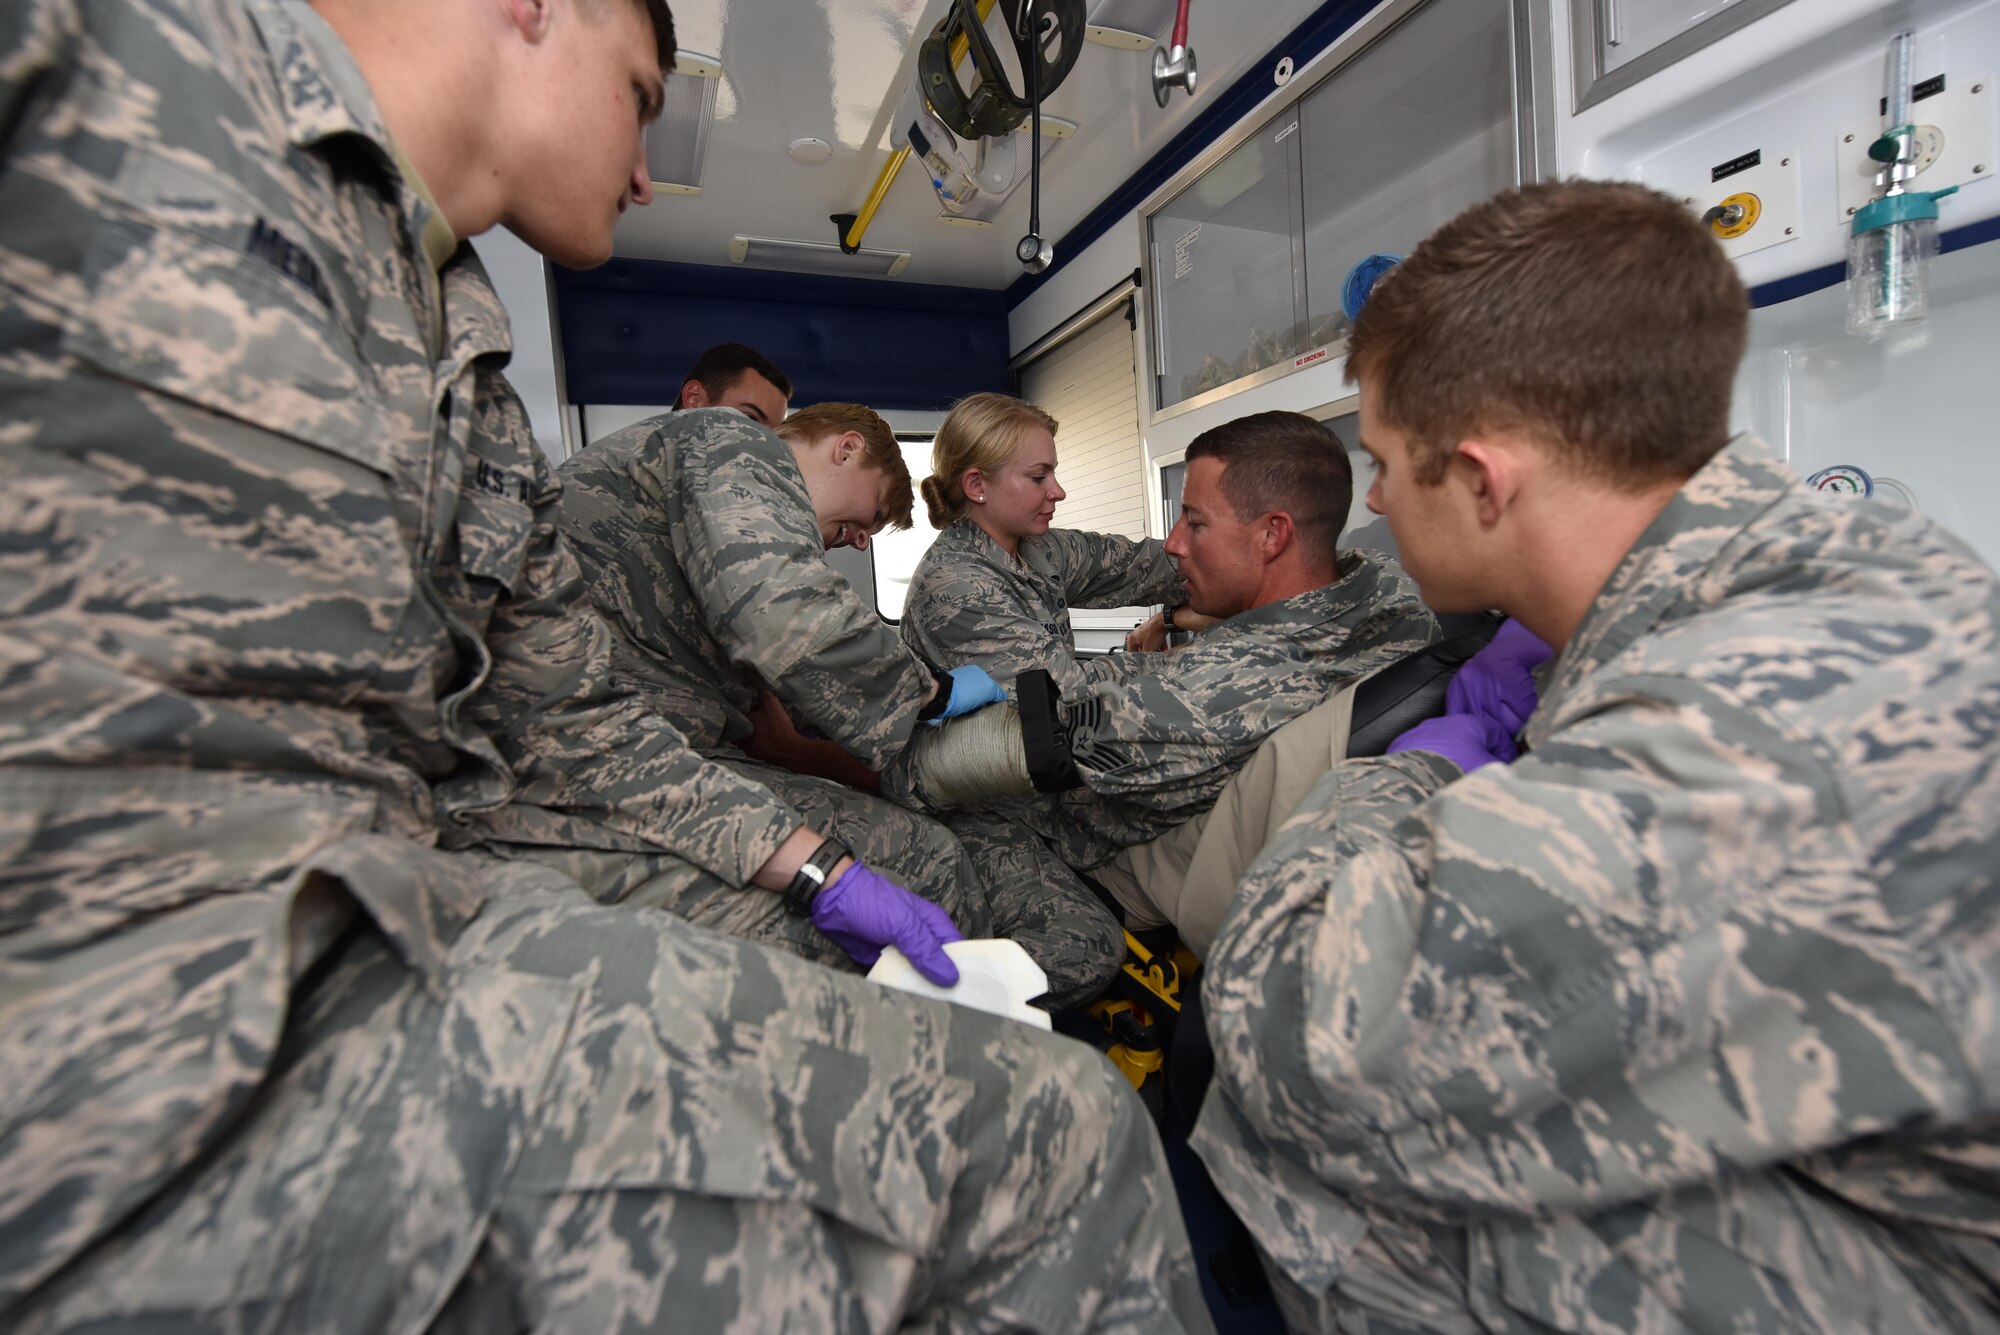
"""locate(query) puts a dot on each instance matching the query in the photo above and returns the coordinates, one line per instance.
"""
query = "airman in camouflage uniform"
(1682, 1021)
(1155, 747)
(274, 527)
(700, 545)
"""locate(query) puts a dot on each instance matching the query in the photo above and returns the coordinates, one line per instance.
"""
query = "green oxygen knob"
(1890, 146)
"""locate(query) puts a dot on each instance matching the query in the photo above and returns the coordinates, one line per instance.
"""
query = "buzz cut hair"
(659, 16)
(1284, 462)
(664, 42)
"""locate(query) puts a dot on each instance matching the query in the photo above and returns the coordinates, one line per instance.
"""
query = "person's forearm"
(830, 760)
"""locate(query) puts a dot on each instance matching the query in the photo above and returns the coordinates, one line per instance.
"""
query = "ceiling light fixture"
(815, 257)
(809, 151)
(677, 144)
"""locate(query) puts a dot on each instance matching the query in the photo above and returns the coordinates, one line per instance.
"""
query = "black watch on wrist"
(940, 698)
(1167, 620)
(813, 874)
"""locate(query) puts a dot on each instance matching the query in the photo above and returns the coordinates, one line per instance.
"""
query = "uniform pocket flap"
(175, 311)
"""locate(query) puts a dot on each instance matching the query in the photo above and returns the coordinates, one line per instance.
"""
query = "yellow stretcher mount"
(1140, 1009)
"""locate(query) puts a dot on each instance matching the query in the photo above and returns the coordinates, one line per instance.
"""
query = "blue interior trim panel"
(631, 329)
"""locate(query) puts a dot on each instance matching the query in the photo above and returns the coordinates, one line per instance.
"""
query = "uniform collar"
(970, 537)
(475, 320)
(319, 85)
(1664, 567)
(325, 96)
(1357, 589)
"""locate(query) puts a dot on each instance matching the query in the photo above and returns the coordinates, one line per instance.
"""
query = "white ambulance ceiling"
(835, 69)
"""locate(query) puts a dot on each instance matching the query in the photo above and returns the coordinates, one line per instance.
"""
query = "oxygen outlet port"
(1734, 216)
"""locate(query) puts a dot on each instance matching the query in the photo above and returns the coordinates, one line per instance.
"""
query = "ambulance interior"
(1209, 248)
(1182, 228)
(1204, 244)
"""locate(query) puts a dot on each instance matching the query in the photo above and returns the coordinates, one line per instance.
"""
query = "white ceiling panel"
(835, 69)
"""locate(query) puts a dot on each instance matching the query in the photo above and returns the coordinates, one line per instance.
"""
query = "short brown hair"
(809, 426)
(1600, 317)
(1284, 461)
(661, 18)
(982, 431)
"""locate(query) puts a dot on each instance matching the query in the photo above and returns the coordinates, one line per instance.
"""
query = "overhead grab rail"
(982, 107)
(855, 225)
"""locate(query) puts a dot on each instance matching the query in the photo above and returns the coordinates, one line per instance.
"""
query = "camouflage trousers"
(1759, 1252)
(579, 1118)
(911, 849)
(1041, 903)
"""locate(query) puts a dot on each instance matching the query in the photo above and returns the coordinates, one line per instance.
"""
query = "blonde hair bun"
(935, 502)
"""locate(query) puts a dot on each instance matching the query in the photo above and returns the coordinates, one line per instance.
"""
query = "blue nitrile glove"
(971, 689)
(1498, 682)
(1466, 740)
(863, 911)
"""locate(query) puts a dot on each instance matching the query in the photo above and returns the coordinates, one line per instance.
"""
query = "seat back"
(1411, 689)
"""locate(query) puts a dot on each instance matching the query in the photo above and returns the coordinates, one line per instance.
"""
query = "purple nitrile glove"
(863, 911)
(1466, 740)
(1498, 682)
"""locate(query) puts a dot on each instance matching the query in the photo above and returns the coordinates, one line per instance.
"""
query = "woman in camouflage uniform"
(996, 587)
(995, 590)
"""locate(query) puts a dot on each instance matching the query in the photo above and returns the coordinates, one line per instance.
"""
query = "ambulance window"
(896, 554)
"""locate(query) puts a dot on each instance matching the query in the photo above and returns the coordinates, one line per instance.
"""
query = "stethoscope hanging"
(1033, 250)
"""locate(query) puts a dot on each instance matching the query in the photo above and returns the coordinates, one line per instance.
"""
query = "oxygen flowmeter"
(1894, 236)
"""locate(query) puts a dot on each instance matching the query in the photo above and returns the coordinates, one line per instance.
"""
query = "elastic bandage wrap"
(998, 752)
(970, 761)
